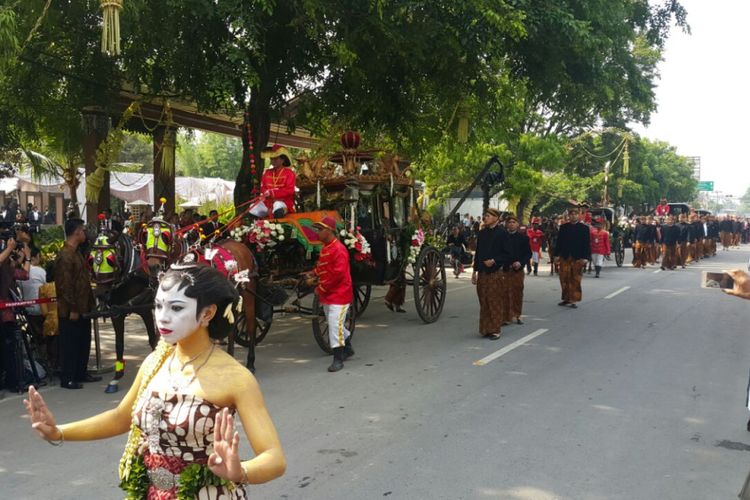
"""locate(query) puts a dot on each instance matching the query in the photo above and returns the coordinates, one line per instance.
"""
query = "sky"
(702, 95)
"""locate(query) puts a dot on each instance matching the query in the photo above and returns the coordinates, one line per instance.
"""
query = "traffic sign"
(705, 185)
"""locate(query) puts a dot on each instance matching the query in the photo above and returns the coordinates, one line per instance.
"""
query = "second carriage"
(618, 231)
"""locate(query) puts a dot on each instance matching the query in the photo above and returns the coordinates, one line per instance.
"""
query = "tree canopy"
(527, 75)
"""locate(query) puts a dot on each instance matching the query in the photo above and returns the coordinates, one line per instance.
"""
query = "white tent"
(131, 186)
(128, 187)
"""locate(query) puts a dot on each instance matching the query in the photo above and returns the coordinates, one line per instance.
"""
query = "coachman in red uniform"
(334, 290)
(536, 237)
(277, 184)
(599, 245)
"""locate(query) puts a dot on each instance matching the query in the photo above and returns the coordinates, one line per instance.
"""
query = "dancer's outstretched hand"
(225, 460)
(42, 419)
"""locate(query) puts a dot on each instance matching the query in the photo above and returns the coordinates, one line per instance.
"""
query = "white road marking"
(657, 271)
(618, 292)
(508, 348)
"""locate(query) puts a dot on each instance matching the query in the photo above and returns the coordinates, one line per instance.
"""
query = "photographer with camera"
(15, 262)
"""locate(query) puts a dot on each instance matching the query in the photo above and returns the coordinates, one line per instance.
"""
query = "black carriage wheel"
(430, 285)
(320, 325)
(361, 298)
(241, 335)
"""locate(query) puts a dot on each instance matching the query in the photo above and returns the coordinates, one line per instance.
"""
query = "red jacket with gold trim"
(334, 277)
(279, 184)
(535, 239)
(600, 242)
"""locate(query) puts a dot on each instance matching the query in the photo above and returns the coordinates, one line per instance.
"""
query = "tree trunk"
(521, 208)
(71, 179)
(164, 182)
(258, 117)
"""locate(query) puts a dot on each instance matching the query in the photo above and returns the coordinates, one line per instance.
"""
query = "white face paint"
(176, 314)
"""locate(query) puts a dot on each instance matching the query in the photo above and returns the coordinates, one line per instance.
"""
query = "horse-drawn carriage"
(369, 194)
(618, 234)
(378, 220)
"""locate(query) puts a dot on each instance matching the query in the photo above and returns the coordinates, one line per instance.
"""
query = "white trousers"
(597, 259)
(336, 317)
(261, 209)
(535, 257)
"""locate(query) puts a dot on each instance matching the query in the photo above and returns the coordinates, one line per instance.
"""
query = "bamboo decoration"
(111, 26)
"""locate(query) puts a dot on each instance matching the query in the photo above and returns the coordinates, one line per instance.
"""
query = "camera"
(9, 232)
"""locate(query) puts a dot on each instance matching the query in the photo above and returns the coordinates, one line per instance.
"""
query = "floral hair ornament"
(228, 314)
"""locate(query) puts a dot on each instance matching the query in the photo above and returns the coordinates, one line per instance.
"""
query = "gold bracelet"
(60, 441)
(245, 479)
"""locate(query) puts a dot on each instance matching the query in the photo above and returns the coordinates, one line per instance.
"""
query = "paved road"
(637, 396)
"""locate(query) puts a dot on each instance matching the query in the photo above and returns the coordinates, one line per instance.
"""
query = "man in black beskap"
(696, 235)
(518, 252)
(683, 240)
(725, 233)
(573, 251)
(669, 236)
(489, 260)
(640, 243)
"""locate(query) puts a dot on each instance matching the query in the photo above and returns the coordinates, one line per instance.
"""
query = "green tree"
(138, 149)
(745, 202)
(209, 155)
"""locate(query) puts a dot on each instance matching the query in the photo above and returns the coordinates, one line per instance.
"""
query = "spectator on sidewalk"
(50, 327)
(74, 299)
(30, 291)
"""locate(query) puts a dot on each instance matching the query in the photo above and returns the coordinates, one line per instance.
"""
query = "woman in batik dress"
(182, 406)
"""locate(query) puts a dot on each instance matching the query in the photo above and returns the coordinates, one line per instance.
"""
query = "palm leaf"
(41, 166)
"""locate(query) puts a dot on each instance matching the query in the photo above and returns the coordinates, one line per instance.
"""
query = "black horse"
(122, 288)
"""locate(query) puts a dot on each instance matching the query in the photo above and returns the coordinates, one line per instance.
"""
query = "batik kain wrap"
(669, 256)
(726, 239)
(570, 280)
(491, 293)
(513, 306)
(682, 254)
(639, 254)
(696, 251)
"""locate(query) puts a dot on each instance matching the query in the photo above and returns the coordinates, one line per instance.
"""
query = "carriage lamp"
(351, 192)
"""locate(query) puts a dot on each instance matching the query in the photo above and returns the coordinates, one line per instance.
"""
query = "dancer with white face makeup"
(176, 315)
(181, 408)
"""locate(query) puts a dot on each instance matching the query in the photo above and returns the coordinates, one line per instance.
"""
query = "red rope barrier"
(25, 303)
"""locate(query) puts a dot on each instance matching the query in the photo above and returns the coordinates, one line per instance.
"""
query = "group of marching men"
(682, 239)
(505, 249)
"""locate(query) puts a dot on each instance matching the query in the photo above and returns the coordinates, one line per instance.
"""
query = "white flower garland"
(417, 240)
(355, 239)
(261, 233)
